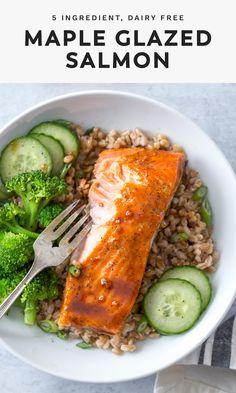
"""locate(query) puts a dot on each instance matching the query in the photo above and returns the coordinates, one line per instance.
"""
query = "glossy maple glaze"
(143, 183)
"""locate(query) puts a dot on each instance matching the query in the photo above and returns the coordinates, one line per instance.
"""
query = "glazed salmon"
(129, 197)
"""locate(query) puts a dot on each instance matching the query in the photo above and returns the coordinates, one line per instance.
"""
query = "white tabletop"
(212, 107)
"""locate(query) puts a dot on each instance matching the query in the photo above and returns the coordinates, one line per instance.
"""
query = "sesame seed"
(103, 281)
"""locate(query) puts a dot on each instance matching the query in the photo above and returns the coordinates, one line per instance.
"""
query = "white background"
(213, 63)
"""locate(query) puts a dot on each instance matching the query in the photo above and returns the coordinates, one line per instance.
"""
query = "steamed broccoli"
(16, 250)
(48, 214)
(7, 284)
(36, 190)
(43, 286)
(11, 216)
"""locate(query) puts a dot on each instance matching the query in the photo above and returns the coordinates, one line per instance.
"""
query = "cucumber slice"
(172, 306)
(55, 149)
(196, 277)
(60, 132)
(23, 155)
(63, 122)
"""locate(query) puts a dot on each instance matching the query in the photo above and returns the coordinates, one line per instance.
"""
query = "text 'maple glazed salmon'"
(128, 199)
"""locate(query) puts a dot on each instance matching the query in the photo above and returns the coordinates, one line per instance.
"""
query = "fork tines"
(77, 219)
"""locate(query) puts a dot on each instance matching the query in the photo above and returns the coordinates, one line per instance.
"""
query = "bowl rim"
(152, 101)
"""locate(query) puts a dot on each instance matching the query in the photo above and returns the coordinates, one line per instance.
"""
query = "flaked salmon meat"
(132, 190)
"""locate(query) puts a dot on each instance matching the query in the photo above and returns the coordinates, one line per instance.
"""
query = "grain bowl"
(129, 120)
(182, 217)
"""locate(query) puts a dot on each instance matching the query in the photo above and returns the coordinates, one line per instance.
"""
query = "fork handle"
(7, 303)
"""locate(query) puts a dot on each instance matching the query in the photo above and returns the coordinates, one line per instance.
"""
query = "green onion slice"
(143, 323)
(62, 335)
(207, 213)
(74, 270)
(177, 237)
(200, 193)
(48, 326)
(84, 345)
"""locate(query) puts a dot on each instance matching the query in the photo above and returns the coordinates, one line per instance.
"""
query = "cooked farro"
(182, 216)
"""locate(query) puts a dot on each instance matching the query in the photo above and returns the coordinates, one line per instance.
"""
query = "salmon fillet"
(129, 197)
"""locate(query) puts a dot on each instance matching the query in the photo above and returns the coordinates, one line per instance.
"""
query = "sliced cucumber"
(63, 122)
(55, 149)
(172, 306)
(23, 155)
(63, 134)
(196, 277)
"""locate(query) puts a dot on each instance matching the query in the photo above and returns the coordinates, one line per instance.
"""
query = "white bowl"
(121, 111)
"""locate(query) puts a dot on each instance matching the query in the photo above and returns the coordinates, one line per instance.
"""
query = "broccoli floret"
(8, 284)
(48, 214)
(36, 190)
(43, 286)
(16, 250)
(11, 216)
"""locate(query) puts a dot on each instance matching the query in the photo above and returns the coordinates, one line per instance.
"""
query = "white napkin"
(193, 374)
(195, 379)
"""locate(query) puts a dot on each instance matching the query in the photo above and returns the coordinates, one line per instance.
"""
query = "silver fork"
(45, 255)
